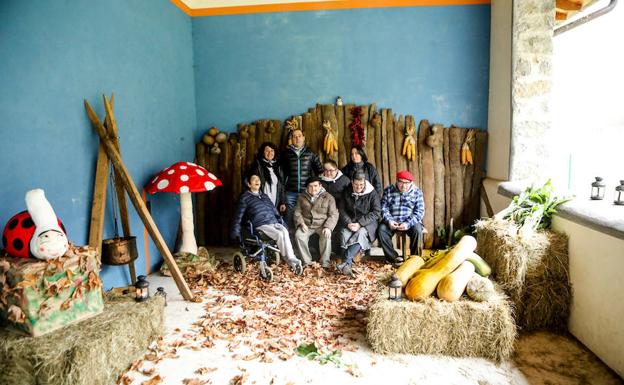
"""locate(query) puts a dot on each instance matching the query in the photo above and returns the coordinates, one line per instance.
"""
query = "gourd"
(480, 288)
(425, 281)
(453, 285)
(481, 267)
(409, 268)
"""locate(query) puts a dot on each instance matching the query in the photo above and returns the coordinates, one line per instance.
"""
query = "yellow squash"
(409, 268)
(453, 285)
(424, 282)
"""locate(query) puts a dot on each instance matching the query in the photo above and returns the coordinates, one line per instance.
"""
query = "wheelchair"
(257, 247)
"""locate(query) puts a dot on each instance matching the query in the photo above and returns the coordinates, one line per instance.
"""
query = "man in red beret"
(402, 209)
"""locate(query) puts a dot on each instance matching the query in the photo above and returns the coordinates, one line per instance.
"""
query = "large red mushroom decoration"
(184, 178)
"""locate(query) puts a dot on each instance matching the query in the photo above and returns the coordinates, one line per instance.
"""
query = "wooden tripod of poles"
(109, 149)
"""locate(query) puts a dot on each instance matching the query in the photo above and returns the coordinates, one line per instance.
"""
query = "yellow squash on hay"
(424, 282)
(453, 285)
(409, 268)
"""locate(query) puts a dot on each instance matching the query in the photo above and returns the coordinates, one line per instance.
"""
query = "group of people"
(346, 208)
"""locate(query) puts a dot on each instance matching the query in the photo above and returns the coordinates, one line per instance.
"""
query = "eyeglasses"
(404, 182)
(330, 169)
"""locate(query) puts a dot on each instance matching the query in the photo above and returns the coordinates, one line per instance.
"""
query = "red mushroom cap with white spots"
(183, 177)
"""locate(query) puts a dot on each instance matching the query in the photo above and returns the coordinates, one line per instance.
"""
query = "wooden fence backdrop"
(451, 189)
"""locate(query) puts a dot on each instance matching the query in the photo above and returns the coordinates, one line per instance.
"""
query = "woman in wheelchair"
(257, 208)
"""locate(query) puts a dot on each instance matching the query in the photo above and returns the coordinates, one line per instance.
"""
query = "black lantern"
(598, 189)
(142, 288)
(394, 288)
(161, 292)
(618, 199)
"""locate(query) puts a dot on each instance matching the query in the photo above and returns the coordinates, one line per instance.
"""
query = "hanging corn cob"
(466, 154)
(292, 124)
(330, 144)
(409, 143)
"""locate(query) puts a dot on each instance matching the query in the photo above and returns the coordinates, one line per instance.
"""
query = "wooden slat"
(369, 146)
(200, 198)
(392, 152)
(447, 179)
(428, 183)
(399, 135)
(439, 202)
(479, 172)
(135, 198)
(348, 118)
(456, 138)
(375, 121)
(383, 165)
(317, 131)
(344, 145)
(251, 146)
(96, 224)
(469, 194)
(225, 191)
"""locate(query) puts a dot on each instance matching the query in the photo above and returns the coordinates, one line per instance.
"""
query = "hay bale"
(533, 270)
(462, 328)
(92, 352)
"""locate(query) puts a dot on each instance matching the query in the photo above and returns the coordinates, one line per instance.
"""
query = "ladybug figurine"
(39, 235)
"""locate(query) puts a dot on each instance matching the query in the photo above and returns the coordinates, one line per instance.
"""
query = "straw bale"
(532, 269)
(462, 328)
(92, 352)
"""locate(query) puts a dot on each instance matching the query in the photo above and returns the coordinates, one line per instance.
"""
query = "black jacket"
(256, 208)
(298, 168)
(259, 167)
(364, 209)
(368, 170)
(336, 186)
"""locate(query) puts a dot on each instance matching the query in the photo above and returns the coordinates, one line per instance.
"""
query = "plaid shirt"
(407, 208)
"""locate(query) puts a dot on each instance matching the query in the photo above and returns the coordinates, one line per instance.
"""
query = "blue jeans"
(291, 201)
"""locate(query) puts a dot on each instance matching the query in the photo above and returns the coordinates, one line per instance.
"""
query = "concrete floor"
(540, 358)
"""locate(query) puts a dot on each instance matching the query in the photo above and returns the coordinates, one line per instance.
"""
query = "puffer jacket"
(322, 213)
(299, 167)
(369, 171)
(256, 208)
(363, 208)
(335, 186)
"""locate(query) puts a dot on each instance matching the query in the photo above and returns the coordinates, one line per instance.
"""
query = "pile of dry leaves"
(260, 320)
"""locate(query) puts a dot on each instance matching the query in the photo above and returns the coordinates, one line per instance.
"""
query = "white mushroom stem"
(189, 245)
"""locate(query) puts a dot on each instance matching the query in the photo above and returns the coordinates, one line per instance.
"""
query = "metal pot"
(119, 250)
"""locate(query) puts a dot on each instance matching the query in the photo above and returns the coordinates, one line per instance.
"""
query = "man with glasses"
(402, 209)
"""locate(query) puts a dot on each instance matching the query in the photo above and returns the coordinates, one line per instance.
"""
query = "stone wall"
(531, 79)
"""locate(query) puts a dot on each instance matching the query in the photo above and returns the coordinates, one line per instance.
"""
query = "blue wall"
(432, 62)
(54, 54)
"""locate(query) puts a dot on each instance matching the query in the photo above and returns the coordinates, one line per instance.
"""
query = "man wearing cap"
(315, 213)
(402, 209)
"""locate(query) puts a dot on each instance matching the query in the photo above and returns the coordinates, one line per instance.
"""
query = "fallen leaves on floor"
(264, 321)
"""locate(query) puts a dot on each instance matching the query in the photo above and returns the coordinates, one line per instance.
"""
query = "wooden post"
(447, 180)
(370, 135)
(375, 119)
(479, 173)
(456, 138)
(469, 193)
(383, 165)
(393, 153)
(399, 135)
(113, 133)
(135, 198)
(200, 198)
(344, 145)
(439, 178)
(428, 183)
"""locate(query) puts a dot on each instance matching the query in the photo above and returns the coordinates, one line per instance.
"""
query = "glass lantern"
(394, 288)
(618, 199)
(142, 288)
(598, 189)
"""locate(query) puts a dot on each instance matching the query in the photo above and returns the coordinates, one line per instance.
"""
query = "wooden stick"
(392, 151)
(479, 173)
(383, 165)
(344, 145)
(96, 225)
(113, 133)
(200, 198)
(251, 146)
(399, 135)
(135, 198)
(370, 135)
(456, 138)
(469, 193)
(447, 179)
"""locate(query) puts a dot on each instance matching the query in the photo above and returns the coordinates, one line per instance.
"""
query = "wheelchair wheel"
(273, 258)
(240, 266)
(265, 272)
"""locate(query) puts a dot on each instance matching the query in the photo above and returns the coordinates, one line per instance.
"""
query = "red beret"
(404, 174)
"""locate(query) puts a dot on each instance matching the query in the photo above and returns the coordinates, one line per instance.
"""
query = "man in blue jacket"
(256, 206)
(402, 209)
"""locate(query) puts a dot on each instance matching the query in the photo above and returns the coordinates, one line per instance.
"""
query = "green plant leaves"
(534, 207)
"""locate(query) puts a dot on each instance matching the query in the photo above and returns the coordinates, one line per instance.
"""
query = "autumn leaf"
(66, 304)
(204, 370)
(153, 381)
(195, 381)
(70, 274)
(148, 372)
(16, 314)
(239, 379)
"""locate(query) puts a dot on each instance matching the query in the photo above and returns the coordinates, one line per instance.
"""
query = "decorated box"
(39, 296)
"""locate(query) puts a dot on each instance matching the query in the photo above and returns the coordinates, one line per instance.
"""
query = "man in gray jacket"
(315, 213)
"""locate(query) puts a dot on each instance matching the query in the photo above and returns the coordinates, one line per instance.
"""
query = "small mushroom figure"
(49, 240)
(184, 178)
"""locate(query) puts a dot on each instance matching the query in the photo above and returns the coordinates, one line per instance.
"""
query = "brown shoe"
(358, 257)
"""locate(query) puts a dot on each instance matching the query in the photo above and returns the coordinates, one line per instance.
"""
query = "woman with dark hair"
(359, 164)
(271, 176)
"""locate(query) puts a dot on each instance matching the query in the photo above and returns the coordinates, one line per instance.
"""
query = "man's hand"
(303, 228)
(403, 227)
(354, 226)
(282, 208)
(393, 225)
(327, 233)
